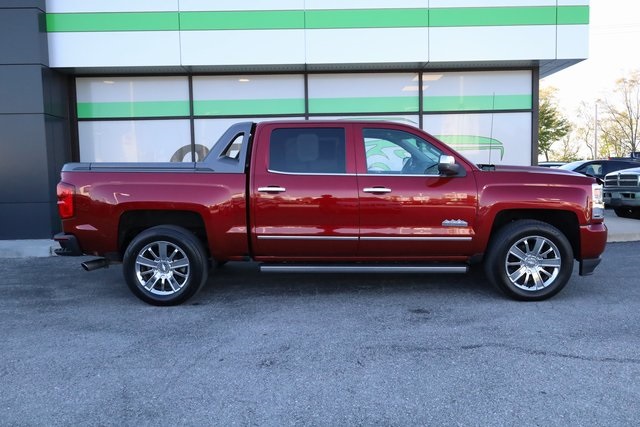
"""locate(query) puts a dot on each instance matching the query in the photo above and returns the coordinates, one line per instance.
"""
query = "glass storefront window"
(363, 93)
(248, 95)
(477, 91)
(499, 138)
(114, 113)
(131, 97)
(135, 141)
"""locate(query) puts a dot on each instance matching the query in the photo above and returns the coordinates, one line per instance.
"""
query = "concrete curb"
(36, 248)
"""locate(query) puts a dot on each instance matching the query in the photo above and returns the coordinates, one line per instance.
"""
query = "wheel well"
(566, 222)
(133, 223)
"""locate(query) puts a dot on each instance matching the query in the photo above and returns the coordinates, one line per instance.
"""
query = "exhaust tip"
(95, 264)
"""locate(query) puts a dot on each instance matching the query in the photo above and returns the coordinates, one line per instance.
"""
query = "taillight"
(65, 199)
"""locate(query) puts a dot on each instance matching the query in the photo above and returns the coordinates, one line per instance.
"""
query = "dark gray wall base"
(34, 124)
(26, 221)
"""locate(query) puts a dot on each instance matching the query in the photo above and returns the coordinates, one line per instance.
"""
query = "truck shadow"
(240, 280)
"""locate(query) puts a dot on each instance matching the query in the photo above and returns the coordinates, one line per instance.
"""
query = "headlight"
(597, 202)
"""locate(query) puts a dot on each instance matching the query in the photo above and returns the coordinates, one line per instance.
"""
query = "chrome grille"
(622, 180)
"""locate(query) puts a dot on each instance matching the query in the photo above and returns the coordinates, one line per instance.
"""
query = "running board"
(339, 268)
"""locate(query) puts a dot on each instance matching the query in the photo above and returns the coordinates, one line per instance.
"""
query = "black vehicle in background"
(599, 168)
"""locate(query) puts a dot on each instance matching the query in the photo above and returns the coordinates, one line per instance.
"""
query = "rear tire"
(529, 260)
(165, 265)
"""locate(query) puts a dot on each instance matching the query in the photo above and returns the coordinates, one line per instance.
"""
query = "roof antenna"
(493, 108)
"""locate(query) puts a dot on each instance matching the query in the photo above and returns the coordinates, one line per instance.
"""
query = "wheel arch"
(134, 222)
(565, 221)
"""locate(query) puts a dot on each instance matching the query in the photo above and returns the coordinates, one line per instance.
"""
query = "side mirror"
(449, 167)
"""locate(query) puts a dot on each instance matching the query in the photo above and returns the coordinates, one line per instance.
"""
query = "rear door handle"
(271, 189)
(376, 190)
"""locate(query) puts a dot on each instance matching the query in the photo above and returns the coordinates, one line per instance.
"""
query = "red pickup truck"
(332, 196)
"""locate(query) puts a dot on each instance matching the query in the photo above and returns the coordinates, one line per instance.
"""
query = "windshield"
(573, 165)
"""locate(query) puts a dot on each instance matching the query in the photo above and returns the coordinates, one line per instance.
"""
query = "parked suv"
(622, 192)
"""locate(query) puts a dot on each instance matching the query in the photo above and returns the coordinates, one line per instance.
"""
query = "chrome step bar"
(339, 268)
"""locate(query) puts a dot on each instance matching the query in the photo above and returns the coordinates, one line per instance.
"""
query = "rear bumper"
(69, 245)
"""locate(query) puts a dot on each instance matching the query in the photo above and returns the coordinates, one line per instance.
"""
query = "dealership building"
(158, 81)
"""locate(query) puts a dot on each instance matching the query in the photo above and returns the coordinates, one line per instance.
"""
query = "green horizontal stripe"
(317, 19)
(502, 16)
(472, 143)
(118, 21)
(241, 20)
(94, 110)
(364, 104)
(573, 15)
(87, 110)
(243, 107)
(480, 102)
(367, 18)
(481, 16)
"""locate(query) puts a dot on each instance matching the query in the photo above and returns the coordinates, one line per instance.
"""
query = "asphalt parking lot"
(259, 349)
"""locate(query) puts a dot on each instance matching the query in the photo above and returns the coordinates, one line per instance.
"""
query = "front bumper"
(587, 266)
(622, 198)
(69, 245)
(593, 240)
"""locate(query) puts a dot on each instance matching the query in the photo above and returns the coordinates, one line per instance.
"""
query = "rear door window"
(308, 151)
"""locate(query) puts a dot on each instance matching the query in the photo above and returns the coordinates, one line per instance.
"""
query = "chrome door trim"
(405, 239)
(297, 237)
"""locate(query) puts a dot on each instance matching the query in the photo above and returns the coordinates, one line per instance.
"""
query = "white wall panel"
(490, 3)
(114, 49)
(208, 5)
(381, 45)
(365, 4)
(492, 43)
(573, 41)
(573, 2)
(242, 47)
(69, 6)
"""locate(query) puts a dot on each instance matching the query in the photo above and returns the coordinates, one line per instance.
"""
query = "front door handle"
(376, 190)
(271, 189)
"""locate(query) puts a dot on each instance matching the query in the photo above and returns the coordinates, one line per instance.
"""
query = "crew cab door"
(304, 196)
(408, 211)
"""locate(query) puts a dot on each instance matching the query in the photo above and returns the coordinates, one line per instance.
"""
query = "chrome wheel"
(162, 268)
(533, 263)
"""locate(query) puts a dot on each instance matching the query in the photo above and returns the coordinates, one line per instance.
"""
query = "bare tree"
(585, 131)
(623, 114)
(611, 141)
(566, 150)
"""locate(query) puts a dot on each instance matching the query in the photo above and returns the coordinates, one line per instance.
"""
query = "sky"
(614, 51)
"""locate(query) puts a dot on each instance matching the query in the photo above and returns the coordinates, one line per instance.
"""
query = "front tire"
(165, 265)
(529, 260)
(627, 212)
